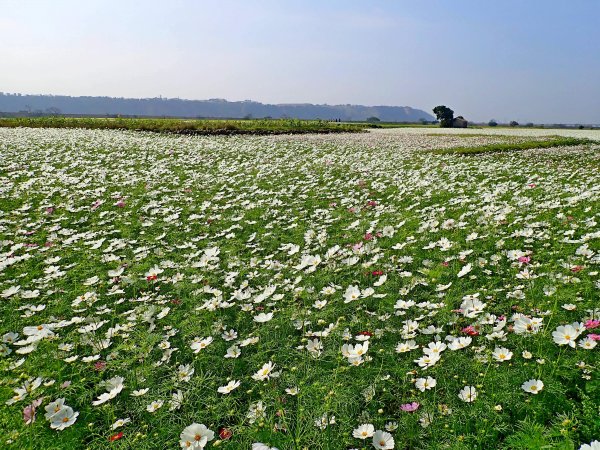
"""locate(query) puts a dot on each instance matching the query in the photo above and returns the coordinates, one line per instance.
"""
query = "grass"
(554, 141)
(190, 127)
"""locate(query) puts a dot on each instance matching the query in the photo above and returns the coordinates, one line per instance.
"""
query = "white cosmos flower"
(9, 292)
(185, 372)
(427, 361)
(587, 343)
(406, 346)
(533, 386)
(526, 325)
(261, 446)
(195, 436)
(315, 347)
(319, 304)
(154, 272)
(468, 394)
(424, 384)
(116, 273)
(63, 419)
(139, 392)
(154, 406)
(120, 422)
(229, 387)
(502, 354)
(352, 293)
(54, 407)
(363, 431)
(460, 343)
(201, 343)
(233, 352)
(263, 317)
(565, 335)
(594, 445)
(113, 386)
(382, 440)
(264, 372)
(465, 270)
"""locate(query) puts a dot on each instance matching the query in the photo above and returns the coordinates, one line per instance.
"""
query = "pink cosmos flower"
(524, 259)
(356, 247)
(410, 407)
(594, 337)
(29, 411)
(368, 237)
(591, 324)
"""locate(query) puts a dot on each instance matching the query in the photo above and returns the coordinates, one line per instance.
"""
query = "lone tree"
(445, 115)
(492, 123)
(514, 123)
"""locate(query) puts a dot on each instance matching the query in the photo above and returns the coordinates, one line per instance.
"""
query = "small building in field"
(459, 122)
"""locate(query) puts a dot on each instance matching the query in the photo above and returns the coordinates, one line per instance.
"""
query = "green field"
(186, 126)
(314, 291)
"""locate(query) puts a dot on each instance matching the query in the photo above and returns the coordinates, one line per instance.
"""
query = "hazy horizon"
(527, 62)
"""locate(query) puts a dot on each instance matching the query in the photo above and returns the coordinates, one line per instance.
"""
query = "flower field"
(298, 292)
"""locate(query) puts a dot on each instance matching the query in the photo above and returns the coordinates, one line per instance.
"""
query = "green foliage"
(180, 126)
(532, 435)
(445, 116)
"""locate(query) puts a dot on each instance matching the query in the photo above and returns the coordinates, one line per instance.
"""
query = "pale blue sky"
(529, 60)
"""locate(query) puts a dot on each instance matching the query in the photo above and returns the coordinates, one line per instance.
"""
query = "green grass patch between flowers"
(554, 141)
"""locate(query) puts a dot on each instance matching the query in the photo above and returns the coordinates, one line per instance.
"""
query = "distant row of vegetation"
(552, 141)
(192, 127)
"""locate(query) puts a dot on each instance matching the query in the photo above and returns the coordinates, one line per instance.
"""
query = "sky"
(532, 60)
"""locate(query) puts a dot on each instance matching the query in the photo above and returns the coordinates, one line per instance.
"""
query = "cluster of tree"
(444, 115)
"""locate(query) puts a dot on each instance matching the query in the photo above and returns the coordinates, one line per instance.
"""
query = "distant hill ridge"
(213, 108)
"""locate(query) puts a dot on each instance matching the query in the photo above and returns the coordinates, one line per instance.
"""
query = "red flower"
(377, 273)
(470, 330)
(225, 433)
(116, 437)
(100, 365)
(152, 277)
(445, 263)
(366, 333)
(576, 269)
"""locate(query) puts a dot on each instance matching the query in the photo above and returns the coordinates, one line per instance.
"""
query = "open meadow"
(316, 291)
